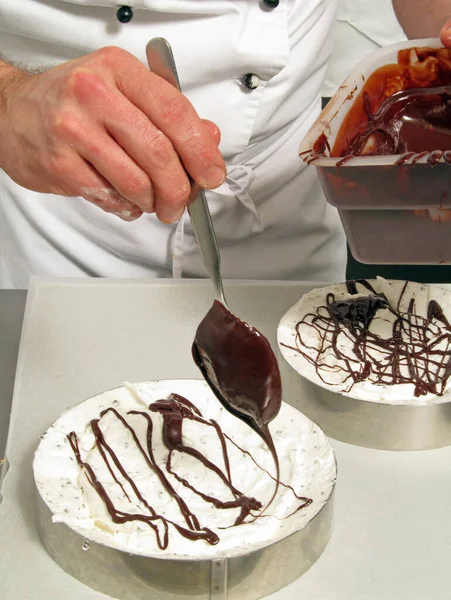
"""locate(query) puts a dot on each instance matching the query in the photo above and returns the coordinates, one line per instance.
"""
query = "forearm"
(422, 18)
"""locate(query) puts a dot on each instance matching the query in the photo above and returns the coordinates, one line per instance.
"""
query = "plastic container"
(395, 209)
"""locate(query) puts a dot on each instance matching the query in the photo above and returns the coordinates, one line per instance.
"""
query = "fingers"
(155, 162)
(116, 166)
(106, 198)
(86, 181)
(105, 128)
(155, 155)
(172, 114)
(445, 34)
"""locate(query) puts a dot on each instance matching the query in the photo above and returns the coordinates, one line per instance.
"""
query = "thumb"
(445, 34)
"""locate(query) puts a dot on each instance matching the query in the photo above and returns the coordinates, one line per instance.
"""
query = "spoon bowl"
(240, 367)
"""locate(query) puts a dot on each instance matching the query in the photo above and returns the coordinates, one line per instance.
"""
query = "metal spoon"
(235, 359)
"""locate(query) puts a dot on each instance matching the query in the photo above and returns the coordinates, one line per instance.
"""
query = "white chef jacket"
(271, 219)
(362, 26)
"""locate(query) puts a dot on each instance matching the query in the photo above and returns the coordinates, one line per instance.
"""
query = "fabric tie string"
(236, 185)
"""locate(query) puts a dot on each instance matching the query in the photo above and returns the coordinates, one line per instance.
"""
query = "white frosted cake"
(160, 469)
(376, 340)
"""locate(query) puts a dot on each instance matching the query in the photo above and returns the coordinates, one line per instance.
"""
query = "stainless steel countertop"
(12, 306)
(392, 526)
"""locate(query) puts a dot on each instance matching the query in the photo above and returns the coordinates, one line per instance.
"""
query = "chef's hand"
(445, 34)
(105, 128)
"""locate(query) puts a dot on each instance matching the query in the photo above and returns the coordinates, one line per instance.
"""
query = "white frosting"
(330, 375)
(306, 459)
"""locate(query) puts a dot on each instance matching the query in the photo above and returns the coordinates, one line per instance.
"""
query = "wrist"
(12, 79)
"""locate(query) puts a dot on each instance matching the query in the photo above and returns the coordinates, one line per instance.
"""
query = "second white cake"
(377, 340)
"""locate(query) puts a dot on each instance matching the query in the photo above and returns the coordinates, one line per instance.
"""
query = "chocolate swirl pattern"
(307, 472)
(174, 411)
(362, 336)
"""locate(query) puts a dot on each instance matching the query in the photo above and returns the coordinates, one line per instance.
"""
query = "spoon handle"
(161, 62)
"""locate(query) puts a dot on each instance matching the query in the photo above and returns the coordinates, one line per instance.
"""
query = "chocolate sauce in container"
(402, 107)
(416, 121)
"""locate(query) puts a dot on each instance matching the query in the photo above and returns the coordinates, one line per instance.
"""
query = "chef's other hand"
(105, 128)
(445, 34)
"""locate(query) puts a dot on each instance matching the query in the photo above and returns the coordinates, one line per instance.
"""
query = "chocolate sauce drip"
(241, 369)
(351, 286)
(173, 410)
(344, 160)
(402, 160)
(435, 311)
(303, 499)
(320, 148)
(417, 352)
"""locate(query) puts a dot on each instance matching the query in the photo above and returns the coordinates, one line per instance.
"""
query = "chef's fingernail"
(170, 217)
(214, 177)
(445, 34)
(127, 215)
(180, 214)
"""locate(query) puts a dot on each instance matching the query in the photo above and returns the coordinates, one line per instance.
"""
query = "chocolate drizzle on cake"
(173, 410)
(348, 343)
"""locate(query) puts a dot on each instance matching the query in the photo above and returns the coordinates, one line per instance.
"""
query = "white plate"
(307, 463)
(400, 394)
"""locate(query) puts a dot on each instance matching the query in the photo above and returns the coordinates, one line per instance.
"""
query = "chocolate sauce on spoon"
(240, 367)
